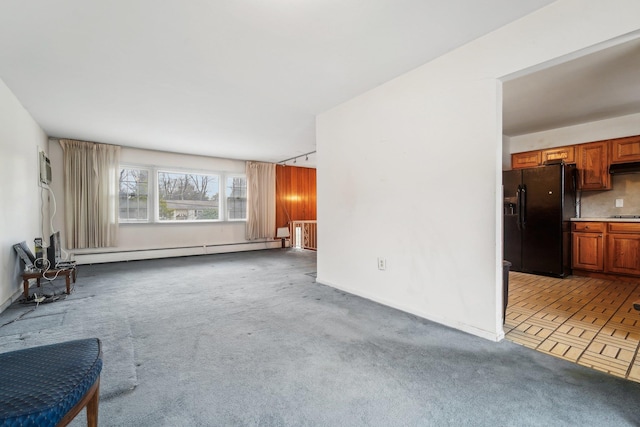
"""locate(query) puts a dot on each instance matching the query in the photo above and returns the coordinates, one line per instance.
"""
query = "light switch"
(619, 203)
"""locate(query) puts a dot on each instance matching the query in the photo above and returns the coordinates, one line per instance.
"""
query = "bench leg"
(25, 286)
(68, 282)
(89, 402)
(92, 407)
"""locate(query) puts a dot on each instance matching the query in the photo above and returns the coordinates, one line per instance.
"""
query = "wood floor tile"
(603, 363)
(626, 355)
(596, 347)
(588, 321)
(560, 349)
(524, 339)
(634, 373)
(616, 342)
(547, 345)
(570, 340)
(610, 351)
(573, 354)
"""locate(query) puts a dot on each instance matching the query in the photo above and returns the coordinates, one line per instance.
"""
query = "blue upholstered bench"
(49, 385)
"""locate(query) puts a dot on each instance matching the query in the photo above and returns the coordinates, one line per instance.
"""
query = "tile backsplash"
(598, 204)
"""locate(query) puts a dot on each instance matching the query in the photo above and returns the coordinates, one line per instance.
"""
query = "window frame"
(153, 195)
(179, 171)
(149, 194)
(226, 208)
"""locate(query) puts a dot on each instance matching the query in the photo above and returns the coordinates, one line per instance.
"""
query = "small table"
(68, 273)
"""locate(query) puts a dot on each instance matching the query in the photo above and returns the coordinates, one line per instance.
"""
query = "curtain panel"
(90, 193)
(261, 200)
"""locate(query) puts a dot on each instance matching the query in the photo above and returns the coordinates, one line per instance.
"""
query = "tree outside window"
(236, 192)
(134, 195)
(188, 196)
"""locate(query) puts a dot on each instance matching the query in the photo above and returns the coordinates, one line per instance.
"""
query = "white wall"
(410, 171)
(617, 127)
(146, 241)
(20, 215)
(506, 152)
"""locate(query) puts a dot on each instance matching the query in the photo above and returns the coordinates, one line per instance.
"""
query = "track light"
(295, 159)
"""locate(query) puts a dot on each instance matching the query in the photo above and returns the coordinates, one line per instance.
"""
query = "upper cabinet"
(593, 166)
(592, 159)
(529, 159)
(625, 150)
(568, 154)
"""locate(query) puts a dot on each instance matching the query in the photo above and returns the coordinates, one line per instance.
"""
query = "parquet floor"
(584, 320)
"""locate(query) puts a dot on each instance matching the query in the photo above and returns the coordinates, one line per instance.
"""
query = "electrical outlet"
(382, 264)
(619, 203)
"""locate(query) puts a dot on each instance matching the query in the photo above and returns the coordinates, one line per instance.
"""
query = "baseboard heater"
(97, 257)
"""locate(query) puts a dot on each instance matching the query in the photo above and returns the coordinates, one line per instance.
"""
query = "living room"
(478, 277)
(380, 147)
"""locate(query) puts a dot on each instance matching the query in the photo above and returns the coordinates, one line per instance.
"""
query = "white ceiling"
(245, 79)
(594, 86)
(235, 79)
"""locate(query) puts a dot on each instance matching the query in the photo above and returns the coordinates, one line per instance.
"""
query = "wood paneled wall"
(295, 194)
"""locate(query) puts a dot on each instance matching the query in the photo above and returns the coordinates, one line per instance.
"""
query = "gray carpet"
(251, 339)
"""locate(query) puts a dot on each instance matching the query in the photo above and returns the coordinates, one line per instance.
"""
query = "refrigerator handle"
(523, 206)
(518, 208)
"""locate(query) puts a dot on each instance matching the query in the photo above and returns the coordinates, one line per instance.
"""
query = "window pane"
(133, 197)
(236, 193)
(188, 196)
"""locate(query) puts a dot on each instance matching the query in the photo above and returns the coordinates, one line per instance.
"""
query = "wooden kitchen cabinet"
(623, 248)
(531, 159)
(588, 246)
(612, 248)
(624, 150)
(528, 159)
(568, 154)
(593, 166)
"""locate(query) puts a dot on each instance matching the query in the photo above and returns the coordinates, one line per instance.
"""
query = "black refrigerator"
(538, 204)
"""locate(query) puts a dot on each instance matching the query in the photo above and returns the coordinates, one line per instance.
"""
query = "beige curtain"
(90, 193)
(261, 200)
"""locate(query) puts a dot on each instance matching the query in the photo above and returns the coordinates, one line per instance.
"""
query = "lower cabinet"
(606, 247)
(588, 251)
(588, 246)
(623, 248)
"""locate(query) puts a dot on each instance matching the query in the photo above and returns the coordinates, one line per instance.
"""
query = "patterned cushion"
(39, 385)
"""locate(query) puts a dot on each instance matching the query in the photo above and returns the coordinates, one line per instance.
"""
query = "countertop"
(606, 219)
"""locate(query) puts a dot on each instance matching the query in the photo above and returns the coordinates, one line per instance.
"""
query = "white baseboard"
(470, 329)
(133, 255)
(17, 294)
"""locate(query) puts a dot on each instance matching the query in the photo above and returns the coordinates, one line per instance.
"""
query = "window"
(184, 196)
(236, 193)
(180, 195)
(134, 194)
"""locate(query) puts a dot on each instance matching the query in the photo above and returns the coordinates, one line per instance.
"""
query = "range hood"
(625, 168)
